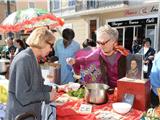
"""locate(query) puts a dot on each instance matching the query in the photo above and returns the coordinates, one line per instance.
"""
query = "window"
(71, 2)
(13, 1)
(150, 32)
(128, 37)
(120, 40)
(56, 4)
(92, 4)
(139, 33)
(31, 5)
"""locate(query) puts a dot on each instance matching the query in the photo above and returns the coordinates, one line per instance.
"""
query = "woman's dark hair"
(21, 43)
(147, 40)
(68, 34)
(89, 42)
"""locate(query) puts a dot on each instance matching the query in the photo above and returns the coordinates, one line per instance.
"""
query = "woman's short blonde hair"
(40, 37)
(106, 29)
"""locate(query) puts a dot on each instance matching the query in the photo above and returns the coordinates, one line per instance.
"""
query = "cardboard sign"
(85, 108)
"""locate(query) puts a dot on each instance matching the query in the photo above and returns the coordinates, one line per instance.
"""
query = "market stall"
(69, 108)
(72, 109)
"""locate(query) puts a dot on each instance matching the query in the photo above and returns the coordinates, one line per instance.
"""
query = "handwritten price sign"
(85, 108)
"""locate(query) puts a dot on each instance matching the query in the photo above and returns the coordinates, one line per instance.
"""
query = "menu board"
(85, 108)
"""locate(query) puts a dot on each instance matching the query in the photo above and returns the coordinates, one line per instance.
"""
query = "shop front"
(139, 28)
(137, 23)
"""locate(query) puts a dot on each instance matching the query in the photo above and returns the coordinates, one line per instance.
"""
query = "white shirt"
(145, 50)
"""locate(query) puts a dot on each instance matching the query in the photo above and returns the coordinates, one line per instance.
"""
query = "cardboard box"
(139, 88)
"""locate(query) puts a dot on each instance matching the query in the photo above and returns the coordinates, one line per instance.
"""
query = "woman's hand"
(53, 95)
(70, 61)
(151, 57)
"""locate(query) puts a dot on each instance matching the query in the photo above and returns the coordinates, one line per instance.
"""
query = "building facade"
(5, 8)
(131, 18)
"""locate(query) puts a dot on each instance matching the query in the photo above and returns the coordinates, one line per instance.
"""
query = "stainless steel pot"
(4, 63)
(96, 93)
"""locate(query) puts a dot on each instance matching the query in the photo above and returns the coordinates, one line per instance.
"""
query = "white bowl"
(121, 107)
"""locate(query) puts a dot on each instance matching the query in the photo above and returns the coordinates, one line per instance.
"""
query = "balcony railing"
(82, 5)
(94, 4)
(64, 11)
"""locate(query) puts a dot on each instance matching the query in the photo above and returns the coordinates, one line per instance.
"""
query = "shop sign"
(133, 22)
(142, 11)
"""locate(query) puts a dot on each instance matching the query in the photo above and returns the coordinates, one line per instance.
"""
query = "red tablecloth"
(68, 110)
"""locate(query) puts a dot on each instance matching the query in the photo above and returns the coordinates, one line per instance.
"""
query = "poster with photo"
(134, 66)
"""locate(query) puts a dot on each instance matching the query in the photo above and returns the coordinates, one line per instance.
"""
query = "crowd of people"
(100, 61)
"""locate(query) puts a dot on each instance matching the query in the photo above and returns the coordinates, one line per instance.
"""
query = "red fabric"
(121, 49)
(68, 110)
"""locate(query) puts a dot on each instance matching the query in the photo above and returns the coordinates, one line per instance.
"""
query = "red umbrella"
(29, 19)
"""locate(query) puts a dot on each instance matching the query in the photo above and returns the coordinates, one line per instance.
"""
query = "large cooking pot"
(4, 63)
(96, 93)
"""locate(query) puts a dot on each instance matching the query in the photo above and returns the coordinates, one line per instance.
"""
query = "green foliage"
(78, 93)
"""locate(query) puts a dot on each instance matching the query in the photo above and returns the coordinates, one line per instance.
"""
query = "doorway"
(128, 38)
(92, 29)
(127, 34)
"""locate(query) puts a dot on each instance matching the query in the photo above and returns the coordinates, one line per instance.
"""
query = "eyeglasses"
(103, 43)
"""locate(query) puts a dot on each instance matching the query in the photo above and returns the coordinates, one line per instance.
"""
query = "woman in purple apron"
(106, 64)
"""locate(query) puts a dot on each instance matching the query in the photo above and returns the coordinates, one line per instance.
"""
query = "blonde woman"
(26, 88)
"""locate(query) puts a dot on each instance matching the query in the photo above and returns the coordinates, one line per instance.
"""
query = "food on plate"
(62, 99)
(151, 114)
(77, 93)
(69, 87)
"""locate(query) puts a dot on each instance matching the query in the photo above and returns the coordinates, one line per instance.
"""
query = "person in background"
(89, 45)
(108, 60)
(26, 88)
(19, 44)
(155, 80)
(9, 49)
(64, 48)
(135, 45)
(93, 36)
(148, 56)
